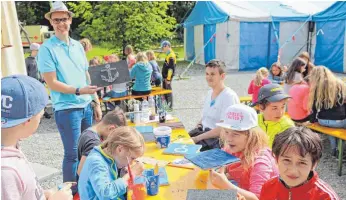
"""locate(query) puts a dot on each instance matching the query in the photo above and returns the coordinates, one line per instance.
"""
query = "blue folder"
(211, 159)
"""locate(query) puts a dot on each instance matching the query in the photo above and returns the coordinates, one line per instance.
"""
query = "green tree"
(32, 12)
(180, 10)
(140, 24)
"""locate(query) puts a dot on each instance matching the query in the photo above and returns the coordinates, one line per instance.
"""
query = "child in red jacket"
(297, 151)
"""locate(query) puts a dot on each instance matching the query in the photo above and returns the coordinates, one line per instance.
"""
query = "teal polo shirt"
(70, 64)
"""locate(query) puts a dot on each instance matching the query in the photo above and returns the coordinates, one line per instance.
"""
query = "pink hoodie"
(254, 89)
(18, 179)
(252, 179)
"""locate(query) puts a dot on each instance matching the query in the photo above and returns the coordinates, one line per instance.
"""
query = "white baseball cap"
(239, 117)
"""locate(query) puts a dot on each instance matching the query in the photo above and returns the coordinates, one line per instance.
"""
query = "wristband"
(77, 91)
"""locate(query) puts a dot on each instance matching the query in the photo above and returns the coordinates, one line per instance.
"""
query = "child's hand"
(220, 180)
(240, 197)
(63, 194)
(137, 168)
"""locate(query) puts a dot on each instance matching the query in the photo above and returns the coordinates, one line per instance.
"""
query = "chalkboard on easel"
(109, 73)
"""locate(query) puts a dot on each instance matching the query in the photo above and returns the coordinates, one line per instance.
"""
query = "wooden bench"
(335, 132)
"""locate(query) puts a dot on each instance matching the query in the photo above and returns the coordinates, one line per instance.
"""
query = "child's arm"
(12, 187)
(213, 133)
(250, 89)
(103, 187)
(170, 67)
(306, 99)
(313, 116)
(220, 180)
(133, 72)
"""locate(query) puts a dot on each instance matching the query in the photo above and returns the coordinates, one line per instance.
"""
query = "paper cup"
(163, 136)
(153, 185)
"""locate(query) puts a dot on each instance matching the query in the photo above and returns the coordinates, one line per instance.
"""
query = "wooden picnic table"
(180, 179)
(155, 91)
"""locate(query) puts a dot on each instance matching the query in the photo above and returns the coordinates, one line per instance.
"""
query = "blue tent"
(250, 35)
(331, 38)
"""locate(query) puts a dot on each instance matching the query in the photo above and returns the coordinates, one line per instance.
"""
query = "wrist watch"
(77, 92)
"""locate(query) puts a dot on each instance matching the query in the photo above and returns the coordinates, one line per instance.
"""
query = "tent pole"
(310, 32)
(269, 45)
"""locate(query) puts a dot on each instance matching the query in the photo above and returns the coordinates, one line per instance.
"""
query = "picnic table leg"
(341, 151)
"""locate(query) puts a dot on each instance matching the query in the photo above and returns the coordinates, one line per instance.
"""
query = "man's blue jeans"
(71, 123)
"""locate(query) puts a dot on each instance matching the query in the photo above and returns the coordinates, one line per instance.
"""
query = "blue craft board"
(182, 149)
(145, 129)
(163, 178)
(212, 159)
(147, 132)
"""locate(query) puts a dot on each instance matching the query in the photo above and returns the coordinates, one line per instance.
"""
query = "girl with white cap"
(242, 137)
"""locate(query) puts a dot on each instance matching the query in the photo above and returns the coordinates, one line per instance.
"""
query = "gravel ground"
(45, 147)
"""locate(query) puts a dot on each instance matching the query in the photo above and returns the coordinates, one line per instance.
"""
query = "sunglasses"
(58, 20)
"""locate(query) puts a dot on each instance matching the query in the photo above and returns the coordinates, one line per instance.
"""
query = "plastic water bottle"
(145, 111)
(152, 106)
(137, 119)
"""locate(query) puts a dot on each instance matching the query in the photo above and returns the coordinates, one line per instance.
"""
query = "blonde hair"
(326, 90)
(128, 50)
(260, 74)
(86, 44)
(257, 140)
(126, 136)
(305, 55)
(141, 57)
(115, 56)
(151, 55)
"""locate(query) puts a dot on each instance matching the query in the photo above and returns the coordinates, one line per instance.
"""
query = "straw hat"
(58, 6)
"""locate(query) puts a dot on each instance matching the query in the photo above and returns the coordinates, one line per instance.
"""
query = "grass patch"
(99, 52)
(179, 51)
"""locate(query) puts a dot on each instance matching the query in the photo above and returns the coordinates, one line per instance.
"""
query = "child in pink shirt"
(130, 58)
(243, 138)
(259, 81)
(297, 106)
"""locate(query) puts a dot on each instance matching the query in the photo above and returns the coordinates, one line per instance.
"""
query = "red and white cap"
(239, 117)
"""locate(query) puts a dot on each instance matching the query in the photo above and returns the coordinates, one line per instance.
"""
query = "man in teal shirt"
(63, 64)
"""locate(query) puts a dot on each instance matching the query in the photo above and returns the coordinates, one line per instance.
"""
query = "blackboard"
(211, 195)
(109, 73)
